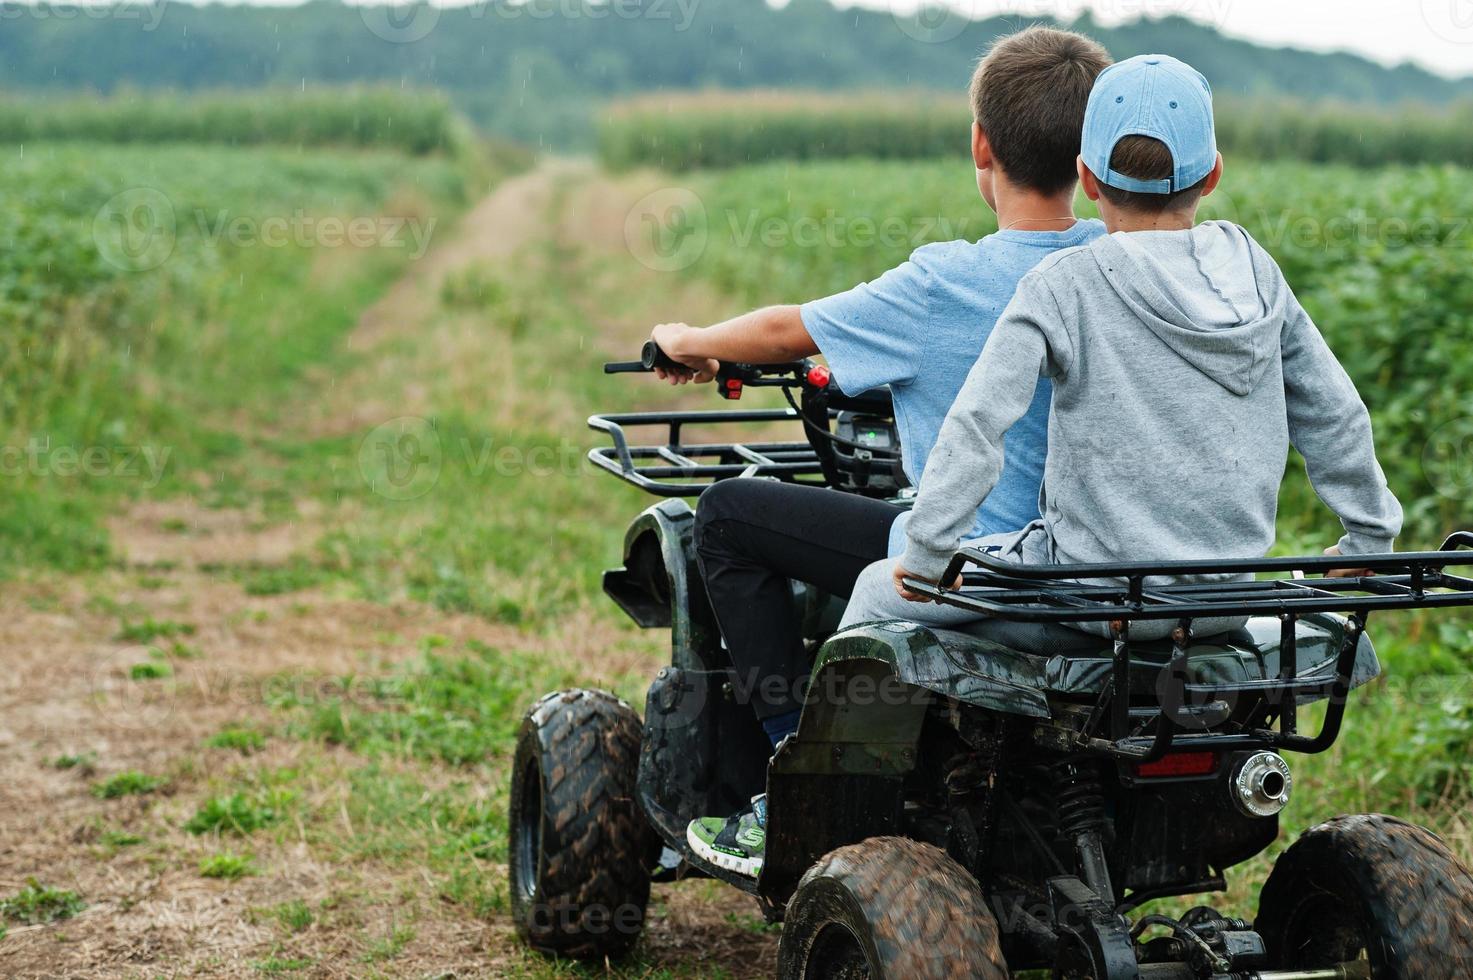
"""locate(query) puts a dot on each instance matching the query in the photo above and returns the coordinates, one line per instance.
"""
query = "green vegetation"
(83, 761)
(240, 813)
(37, 903)
(237, 738)
(117, 839)
(153, 293)
(293, 916)
(227, 865)
(735, 129)
(455, 709)
(130, 783)
(151, 629)
(150, 671)
(417, 123)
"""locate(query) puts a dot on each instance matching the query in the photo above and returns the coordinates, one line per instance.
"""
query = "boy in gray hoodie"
(1183, 370)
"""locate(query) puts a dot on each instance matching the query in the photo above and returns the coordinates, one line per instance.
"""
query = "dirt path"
(73, 714)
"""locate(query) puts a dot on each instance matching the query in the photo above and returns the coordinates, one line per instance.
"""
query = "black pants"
(752, 538)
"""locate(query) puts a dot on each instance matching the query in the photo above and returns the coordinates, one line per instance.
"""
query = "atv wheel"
(580, 848)
(1370, 888)
(889, 909)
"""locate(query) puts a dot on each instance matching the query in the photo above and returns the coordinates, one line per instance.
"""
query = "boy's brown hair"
(1147, 158)
(1028, 95)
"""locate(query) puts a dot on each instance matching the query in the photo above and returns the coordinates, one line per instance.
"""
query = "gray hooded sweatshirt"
(1183, 371)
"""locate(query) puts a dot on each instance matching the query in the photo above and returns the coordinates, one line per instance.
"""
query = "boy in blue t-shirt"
(918, 329)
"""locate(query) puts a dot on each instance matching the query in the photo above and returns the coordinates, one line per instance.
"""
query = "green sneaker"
(736, 843)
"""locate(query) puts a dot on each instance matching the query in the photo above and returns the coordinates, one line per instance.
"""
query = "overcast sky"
(1437, 34)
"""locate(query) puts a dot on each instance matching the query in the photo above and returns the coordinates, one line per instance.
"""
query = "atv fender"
(659, 585)
(941, 661)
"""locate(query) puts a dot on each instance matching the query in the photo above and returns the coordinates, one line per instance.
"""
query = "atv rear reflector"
(1178, 765)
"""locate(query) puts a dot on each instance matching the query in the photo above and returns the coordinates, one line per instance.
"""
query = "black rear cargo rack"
(1121, 593)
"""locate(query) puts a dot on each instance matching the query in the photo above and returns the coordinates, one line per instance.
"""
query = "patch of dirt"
(181, 531)
(68, 689)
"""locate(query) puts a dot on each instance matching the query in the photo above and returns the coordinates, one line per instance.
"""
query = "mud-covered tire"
(889, 909)
(580, 848)
(1370, 887)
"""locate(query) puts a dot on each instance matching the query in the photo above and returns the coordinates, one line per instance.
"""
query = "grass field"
(258, 710)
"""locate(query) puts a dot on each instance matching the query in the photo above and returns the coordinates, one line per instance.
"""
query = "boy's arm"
(871, 335)
(1329, 425)
(1028, 342)
(770, 335)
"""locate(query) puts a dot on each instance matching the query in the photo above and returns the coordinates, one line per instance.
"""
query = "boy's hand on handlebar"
(901, 574)
(672, 338)
(1333, 551)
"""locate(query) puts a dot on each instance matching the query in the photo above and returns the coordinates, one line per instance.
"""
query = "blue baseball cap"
(1151, 95)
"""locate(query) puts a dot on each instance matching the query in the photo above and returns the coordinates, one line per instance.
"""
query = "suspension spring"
(1080, 797)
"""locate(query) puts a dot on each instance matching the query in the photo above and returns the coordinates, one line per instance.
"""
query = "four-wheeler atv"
(1001, 798)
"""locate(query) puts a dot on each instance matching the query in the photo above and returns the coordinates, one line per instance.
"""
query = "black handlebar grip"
(624, 367)
(652, 357)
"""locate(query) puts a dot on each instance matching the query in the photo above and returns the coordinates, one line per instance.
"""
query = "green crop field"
(146, 290)
(734, 129)
(264, 680)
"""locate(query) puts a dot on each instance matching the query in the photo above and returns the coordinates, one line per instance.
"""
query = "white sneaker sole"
(749, 867)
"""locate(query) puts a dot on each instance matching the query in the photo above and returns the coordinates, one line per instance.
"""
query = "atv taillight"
(1179, 765)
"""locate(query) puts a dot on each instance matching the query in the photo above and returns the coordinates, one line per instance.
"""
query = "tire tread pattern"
(926, 915)
(1413, 896)
(598, 846)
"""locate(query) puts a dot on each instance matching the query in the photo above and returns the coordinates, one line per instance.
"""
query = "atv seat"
(1018, 667)
(1058, 640)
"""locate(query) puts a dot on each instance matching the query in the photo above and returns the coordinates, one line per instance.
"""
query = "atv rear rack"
(679, 470)
(1119, 594)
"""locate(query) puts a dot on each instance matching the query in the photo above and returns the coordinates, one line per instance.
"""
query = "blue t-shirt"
(919, 328)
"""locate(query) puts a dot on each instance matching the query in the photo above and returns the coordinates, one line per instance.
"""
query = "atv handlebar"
(731, 378)
(650, 358)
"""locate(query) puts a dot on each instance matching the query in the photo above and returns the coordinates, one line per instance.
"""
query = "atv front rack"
(675, 469)
(1120, 593)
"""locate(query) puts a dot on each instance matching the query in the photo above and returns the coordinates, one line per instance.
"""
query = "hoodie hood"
(1209, 293)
